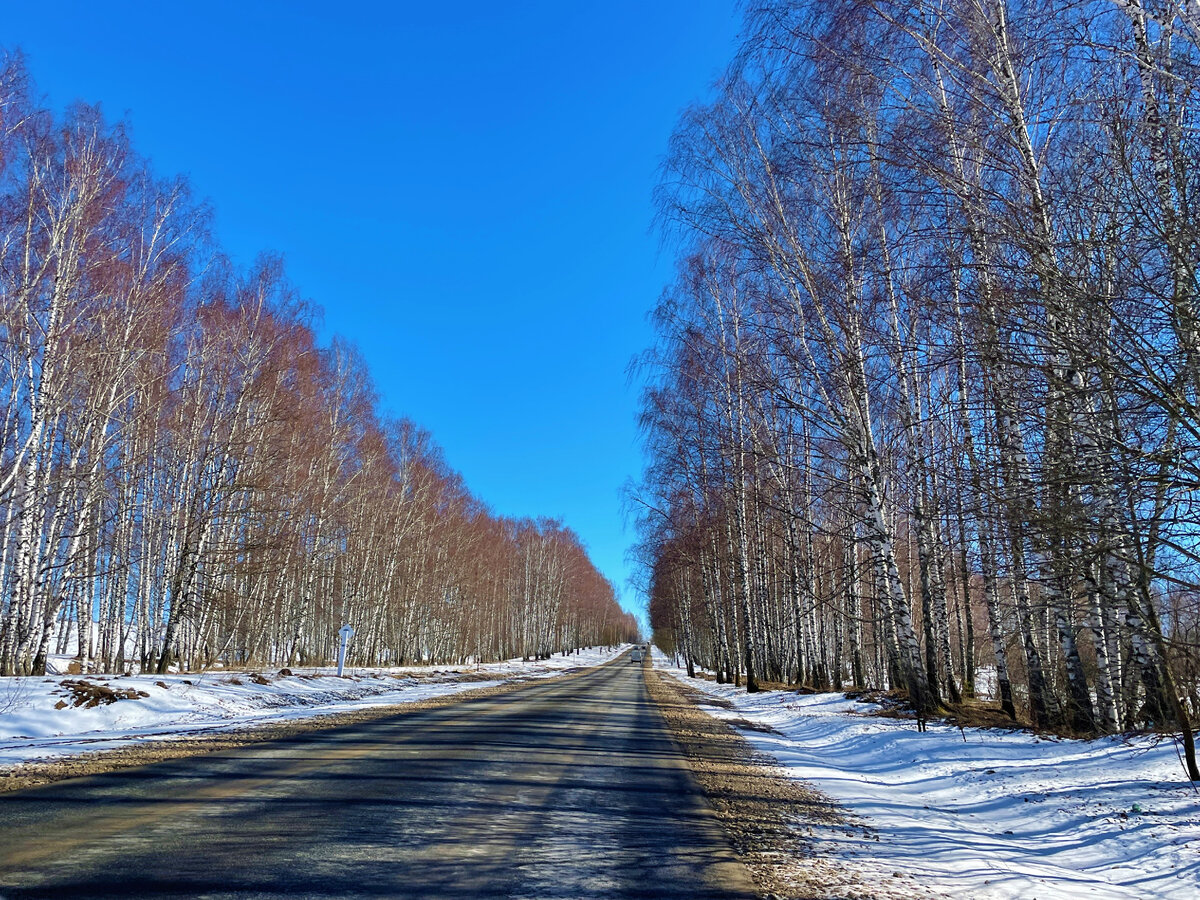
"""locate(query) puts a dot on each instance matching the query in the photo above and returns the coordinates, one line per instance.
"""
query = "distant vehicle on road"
(636, 655)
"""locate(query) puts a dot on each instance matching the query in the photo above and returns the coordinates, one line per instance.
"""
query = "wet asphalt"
(570, 788)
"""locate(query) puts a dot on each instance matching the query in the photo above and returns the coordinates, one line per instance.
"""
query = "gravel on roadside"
(770, 818)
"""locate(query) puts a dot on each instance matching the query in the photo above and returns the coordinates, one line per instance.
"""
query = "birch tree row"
(187, 479)
(923, 403)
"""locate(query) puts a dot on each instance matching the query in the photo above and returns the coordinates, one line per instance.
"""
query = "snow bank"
(39, 718)
(995, 815)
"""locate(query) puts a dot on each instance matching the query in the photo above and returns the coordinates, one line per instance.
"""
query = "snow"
(182, 705)
(982, 813)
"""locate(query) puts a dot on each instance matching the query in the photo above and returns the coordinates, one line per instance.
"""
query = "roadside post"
(346, 632)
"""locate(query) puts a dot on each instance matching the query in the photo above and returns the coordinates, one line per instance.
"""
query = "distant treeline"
(186, 478)
(925, 393)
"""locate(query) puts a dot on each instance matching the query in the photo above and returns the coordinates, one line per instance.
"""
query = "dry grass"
(90, 694)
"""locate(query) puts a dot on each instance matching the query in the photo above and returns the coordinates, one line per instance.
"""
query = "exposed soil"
(90, 694)
(158, 749)
(770, 818)
(971, 713)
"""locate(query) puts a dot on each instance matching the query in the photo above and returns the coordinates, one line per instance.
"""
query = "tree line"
(923, 402)
(187, 478)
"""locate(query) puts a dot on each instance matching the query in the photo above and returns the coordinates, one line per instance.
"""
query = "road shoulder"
(766, 815)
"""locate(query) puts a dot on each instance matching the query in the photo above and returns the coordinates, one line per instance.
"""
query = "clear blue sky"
(463, 187)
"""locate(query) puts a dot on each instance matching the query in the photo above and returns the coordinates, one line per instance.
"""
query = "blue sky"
(464, 188)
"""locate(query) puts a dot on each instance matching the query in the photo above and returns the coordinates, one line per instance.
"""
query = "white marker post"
(346, 632)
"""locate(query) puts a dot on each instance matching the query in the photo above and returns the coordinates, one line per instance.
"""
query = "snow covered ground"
(39, 718)
(997, 815)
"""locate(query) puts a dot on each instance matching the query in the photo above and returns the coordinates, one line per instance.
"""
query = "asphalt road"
(566, 789)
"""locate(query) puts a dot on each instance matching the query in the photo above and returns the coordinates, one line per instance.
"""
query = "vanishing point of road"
(569, 788)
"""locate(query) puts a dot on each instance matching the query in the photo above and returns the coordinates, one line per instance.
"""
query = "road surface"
(570, 788)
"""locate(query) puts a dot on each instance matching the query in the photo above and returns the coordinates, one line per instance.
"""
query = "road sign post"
(346, 632)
